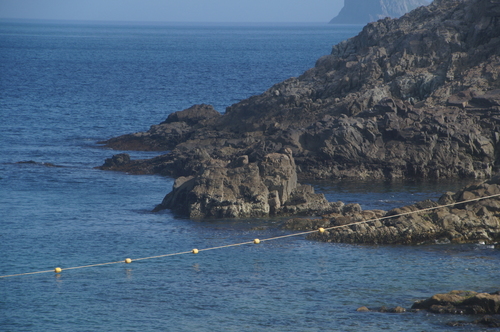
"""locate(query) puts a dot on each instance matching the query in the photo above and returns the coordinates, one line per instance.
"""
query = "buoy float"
(321, 230)
(195, 251)
(57, 270)
(128, 260)
(256, 241)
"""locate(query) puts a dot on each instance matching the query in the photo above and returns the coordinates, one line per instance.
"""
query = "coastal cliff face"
(364, 11)
(414, 97)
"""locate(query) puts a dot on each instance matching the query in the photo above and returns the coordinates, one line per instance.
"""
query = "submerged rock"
(32, 162)
(415, 97)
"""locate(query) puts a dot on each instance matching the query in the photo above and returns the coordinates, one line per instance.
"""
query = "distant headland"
(364, 11)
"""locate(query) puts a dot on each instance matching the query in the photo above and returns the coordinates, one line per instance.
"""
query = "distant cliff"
(364, 11)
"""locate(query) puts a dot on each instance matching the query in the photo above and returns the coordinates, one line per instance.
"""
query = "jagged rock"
(364, 11)
(461, 302)
(475, 221)
(245, 189)
(177, 128)
(415, 97)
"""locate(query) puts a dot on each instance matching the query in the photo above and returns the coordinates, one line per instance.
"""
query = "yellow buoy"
(195, 251)
(256, 241)
(321, 230)
(128, 260)
(57, 270)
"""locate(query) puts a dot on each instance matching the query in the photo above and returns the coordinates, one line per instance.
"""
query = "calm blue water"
(65, 86)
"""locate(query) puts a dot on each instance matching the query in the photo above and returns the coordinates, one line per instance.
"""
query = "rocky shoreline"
(411, 98)
(456, 222)
(414, 97)
(484, 307)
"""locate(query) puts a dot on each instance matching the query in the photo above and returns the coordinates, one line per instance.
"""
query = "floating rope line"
(255, 241)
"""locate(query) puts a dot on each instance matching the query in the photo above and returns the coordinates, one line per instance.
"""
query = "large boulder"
(245, 189)
(178, 127)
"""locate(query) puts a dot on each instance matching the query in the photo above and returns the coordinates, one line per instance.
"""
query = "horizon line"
(137, 22)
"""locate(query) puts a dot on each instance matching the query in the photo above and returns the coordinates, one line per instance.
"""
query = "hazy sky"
(174, 10)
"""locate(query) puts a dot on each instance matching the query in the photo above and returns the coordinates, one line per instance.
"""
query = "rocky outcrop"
(246, 189)
(475, 221)
(461, 302)
(177, 128)
(364, 11)
(415, 97)
(484, 308)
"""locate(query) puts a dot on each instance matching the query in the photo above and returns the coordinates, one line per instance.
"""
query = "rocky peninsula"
(411, 98)
(364, 11)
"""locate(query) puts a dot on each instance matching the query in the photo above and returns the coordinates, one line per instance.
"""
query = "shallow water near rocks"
(63, 87)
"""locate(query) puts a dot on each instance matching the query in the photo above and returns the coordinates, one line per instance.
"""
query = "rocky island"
(364, 11)
(416, 97)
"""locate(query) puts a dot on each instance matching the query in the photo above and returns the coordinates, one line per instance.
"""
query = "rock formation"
(461, 302)
(477, 221)
(484, 307)
(414, 97)
(364, 11)
(246, 189)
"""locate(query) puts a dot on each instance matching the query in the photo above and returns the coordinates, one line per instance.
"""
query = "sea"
(64, 86)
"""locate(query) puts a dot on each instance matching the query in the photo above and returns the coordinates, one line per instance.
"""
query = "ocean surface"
(65, 86)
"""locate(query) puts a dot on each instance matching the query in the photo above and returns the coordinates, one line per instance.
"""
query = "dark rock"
(415, 97)
(461, 302)
(32, 162)
(474, 221)
(117, 160)
(488, 321)
(245, 189)
(193, 115)
(395, 310)
(177, 128)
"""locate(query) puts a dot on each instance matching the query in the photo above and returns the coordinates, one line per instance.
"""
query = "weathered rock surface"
(364, 11)
(484, 305)
(475, 221)
(415, 97)
(461, 302)
(177, 128)
(246, 189)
